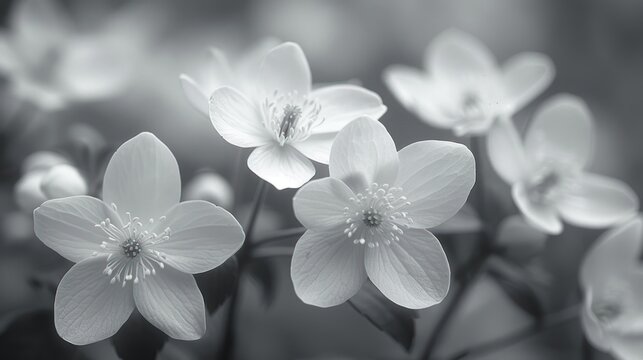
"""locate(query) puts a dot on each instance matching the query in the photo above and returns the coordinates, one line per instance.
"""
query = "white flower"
(612, 280)
(220, 71)
(368, 219)
(136, 248)
(49, 62)
(285, 120)
(47, 176)
(547, 172)
(462, 87)
(212, 187)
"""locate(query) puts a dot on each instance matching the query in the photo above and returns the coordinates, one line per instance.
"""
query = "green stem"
(227, 351)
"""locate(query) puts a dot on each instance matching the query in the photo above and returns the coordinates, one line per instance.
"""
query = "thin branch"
(280, 235)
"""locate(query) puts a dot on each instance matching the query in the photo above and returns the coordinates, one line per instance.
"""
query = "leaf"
(394, 320)
(218, 284)
(262, 273)
(137, 339)
(517, 285)
(33, 336)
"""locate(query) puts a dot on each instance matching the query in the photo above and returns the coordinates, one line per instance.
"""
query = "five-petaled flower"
(612, 280)
(285, 120)
(463, 88)
(368, 219)
(547, 173)
(136, 248)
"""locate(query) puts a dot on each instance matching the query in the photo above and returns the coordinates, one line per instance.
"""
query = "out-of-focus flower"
(463, 88)
(285, 120)
(121, 247)
(547, 172)
(368, 219)
(220, 71)
(211, 187)
(50, 63)
(47, 175)
(521, 240)
(612, 280)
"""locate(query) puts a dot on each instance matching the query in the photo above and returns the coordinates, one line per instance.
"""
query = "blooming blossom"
(463, 88)
(220, 71)
(136, 248)
(368, 219)
(49, 62)
(612, 280)
(286, 121)
(547, 172)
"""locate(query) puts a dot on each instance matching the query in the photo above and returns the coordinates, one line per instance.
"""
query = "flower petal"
(195, 94)
(591, 326)
(456, 53)
(561, 130)
(617, 248)
(67, 225)
(506, 151)
(202, 236)
(412, 272)
(282, 166)
(285, 69)
(327, 268)
(436, 178)
(341, 104)
(418, 93)
(172, 302)
(321, 203)
(525, 76)
(628, 345)
(596, 201)
(142, 178)
(364, 153)
(541, 216)
(316, 147)
(88, 308)
(237, 119)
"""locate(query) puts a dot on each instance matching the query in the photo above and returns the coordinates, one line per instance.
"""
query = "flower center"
(606, 311)
(131, 248)
(545, 187)
(290, 117)
(376, 215)
(471, 106)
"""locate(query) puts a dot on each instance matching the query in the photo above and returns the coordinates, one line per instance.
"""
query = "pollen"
(372, 217)
(131, 248)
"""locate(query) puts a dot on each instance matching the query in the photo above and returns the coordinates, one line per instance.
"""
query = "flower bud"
(210, 187)
(42, 160)
(62, 181)
(27, 191)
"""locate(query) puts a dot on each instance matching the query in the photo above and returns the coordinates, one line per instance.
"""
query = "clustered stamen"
(131, 252)
(290, 117)
(376, 214)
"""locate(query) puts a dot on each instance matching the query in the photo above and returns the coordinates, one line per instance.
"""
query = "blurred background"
(597, 47)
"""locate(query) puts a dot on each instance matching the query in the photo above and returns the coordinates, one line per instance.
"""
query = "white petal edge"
(282, 166)
(436, 177)
(203, 236)
(327, 268)
(142, 178)
(412, 272)
(320, 203)
(562, 130)
(506, 151)
(364, 153)
(597, 201)
(525, 76)
(237, 119)
(87, 307)
(541, 216)
(195, 95)
(316, 147)
(67, 226)
(171, 301)
(285, 70)
(341, 104)
(455, 52)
